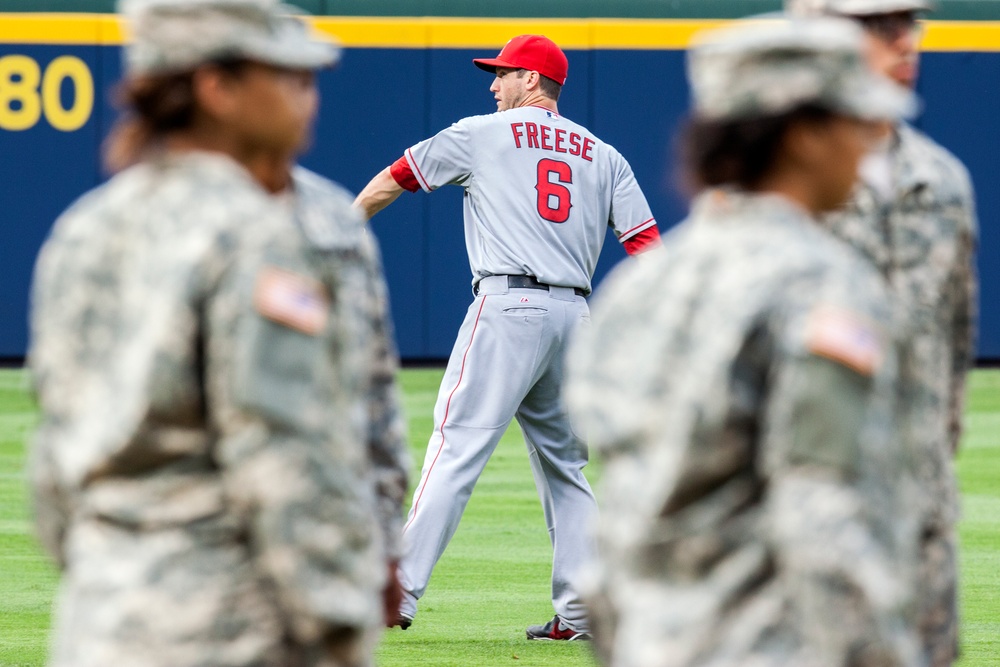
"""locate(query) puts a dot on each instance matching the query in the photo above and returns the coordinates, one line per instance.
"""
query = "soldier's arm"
(50, 507)
(386, 434)
(834, 504)
(49, 356)
(387, 444)
(964, 294)
(294, 478)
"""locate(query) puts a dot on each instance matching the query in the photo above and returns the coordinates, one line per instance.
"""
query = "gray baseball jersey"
(540, 191)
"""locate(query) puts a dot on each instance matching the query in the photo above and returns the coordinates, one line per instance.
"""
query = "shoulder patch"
(292, 299)
(846, 338)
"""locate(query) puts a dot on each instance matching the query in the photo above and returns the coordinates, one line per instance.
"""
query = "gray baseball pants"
(507, 363)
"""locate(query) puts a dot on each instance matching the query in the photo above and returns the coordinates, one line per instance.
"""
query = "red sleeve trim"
(423, 181)
(639, 226)
(403, 175)
(644, 241)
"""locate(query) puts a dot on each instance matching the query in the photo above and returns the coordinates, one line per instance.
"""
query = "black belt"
(527, 282)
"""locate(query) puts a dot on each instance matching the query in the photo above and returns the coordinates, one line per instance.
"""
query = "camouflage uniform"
(200, 470)
(922, 236)
(923, 241)
(747, 488)
(347, 256)
(740, 390)
(197, 470)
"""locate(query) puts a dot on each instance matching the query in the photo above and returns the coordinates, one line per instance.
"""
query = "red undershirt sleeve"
(403, 175)
(642, 242)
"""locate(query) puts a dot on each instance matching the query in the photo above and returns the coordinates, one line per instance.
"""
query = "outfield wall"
(402, 79)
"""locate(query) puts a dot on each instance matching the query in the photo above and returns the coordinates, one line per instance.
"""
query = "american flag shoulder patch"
(292, 299)
(846, 338)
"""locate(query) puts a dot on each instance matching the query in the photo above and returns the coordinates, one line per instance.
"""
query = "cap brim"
(308, 56)
(295, 45)
(490, 64)
(870, 8)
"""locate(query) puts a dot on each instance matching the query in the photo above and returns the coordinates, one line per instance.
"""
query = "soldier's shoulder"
(200, 192)
(321, 187)
(88, 205)
(124, 194)
(211, 198)
(943, 166)
(838, 276)
(324, 210)
(803, 261)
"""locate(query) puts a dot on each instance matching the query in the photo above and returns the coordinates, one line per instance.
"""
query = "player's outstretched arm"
(379, 193)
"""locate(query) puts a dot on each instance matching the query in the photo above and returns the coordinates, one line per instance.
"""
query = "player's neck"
(539, 100)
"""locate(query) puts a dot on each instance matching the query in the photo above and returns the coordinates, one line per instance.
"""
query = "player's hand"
(392, 595)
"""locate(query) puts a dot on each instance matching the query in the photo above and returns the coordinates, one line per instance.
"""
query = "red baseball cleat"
(556, 630)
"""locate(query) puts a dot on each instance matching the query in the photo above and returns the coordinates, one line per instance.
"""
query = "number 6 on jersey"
(550, 192)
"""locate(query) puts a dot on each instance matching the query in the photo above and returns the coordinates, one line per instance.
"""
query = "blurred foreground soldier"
(199, 472)
(740, 387)
(350, 266)
(912, 214)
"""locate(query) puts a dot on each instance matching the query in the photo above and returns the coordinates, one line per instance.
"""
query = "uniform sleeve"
(964, 287)
(289, 466)
(611, 394)
(387, 446)
(834, 502)
(50, 509)
(632, 221)
(444, 159)
(50, 506)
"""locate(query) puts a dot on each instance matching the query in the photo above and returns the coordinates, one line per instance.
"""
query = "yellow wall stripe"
(455, 33)
(445, 33)
(962, 36)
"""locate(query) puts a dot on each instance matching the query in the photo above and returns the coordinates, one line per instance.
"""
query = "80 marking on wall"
(27, 93)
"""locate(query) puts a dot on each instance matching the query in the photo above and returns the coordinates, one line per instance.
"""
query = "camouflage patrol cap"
(854, 7)
(762, 68)
(174, 35)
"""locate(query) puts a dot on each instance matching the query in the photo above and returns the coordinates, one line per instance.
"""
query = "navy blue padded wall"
(640, 98)
(372, 107)
(42, 170)
(963, 114)
(380, 101)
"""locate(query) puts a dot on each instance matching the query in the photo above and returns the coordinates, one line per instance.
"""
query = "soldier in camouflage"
(347, 256)
(913, 216)
(200, 471)
(739, 388)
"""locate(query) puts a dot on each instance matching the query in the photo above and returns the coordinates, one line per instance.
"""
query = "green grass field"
(493, 580)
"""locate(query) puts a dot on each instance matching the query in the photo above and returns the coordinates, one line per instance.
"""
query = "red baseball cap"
(531, 52)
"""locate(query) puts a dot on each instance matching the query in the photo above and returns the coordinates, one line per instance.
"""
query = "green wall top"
(954, 10)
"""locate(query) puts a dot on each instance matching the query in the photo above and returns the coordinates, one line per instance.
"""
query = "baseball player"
(540, 191)
(913, 216)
